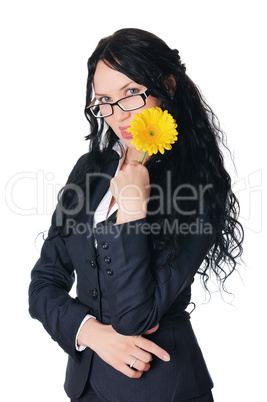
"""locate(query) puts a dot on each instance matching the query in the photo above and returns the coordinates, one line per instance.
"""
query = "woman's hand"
(131, 190)
(119, 351)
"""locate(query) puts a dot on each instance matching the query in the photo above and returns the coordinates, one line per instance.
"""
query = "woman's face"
(110, 85)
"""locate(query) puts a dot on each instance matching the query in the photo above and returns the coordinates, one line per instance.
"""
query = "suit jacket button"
(92, 263)
(107, 260)
(105, 246)
(95, 293)
(109, 272)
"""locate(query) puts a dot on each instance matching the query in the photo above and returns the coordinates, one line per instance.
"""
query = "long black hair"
(195, 159)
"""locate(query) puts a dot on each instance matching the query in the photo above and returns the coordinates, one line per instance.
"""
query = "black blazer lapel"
(93, 200)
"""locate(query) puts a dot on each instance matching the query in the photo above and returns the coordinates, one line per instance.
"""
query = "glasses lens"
(132, 102)
(101, 110)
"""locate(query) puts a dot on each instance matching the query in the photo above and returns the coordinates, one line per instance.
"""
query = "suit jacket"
(121, 283)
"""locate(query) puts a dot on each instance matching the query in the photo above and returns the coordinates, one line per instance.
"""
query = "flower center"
(153, 130)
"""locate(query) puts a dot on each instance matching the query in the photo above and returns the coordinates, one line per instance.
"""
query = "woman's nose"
(119, 114)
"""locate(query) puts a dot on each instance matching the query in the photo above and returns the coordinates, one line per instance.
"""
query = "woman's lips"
(125, 134)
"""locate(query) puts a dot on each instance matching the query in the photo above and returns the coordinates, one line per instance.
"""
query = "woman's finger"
(138, 364)
(141, 355)
(151, 347)
(152, 330)
(129, 372)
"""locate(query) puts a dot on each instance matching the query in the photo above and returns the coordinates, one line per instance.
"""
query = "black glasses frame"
(143, 95)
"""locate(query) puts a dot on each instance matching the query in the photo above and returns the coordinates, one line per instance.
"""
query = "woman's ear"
(170, 84)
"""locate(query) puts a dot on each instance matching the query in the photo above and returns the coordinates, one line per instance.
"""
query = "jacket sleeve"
(49, 301)
(140, 294)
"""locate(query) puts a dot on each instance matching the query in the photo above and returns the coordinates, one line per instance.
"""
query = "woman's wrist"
(78, 347)
(86, 334)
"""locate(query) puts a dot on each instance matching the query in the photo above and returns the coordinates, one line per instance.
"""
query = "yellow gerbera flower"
(153, 130)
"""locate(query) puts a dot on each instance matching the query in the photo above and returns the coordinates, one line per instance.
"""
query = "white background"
(44, 50)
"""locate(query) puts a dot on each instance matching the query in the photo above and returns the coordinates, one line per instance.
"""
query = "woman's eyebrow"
(121, 89)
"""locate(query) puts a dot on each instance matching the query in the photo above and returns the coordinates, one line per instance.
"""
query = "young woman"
(136, 234)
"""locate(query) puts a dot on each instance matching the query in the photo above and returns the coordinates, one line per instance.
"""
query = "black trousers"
(90, 396)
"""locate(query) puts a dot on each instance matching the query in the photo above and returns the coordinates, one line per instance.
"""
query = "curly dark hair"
(194, 161)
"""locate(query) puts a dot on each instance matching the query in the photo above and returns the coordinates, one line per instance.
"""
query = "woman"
(136, 234)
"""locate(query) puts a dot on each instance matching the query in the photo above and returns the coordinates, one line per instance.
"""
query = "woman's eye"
(132, 91)
(104, 99)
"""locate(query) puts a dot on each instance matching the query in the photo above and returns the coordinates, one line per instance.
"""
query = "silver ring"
(131, 365)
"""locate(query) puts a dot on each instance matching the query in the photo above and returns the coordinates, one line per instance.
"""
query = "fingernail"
(166, 357)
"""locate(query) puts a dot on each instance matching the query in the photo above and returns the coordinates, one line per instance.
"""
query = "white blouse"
(103, 207)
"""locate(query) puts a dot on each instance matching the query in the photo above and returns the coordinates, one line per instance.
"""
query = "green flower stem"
(142, 158)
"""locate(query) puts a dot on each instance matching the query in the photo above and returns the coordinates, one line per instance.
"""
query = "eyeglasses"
(127, 104)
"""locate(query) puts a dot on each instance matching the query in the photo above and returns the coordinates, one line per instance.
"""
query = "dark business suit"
(120, 283)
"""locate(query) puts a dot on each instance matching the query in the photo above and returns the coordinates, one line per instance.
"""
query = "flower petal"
(153, 130)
